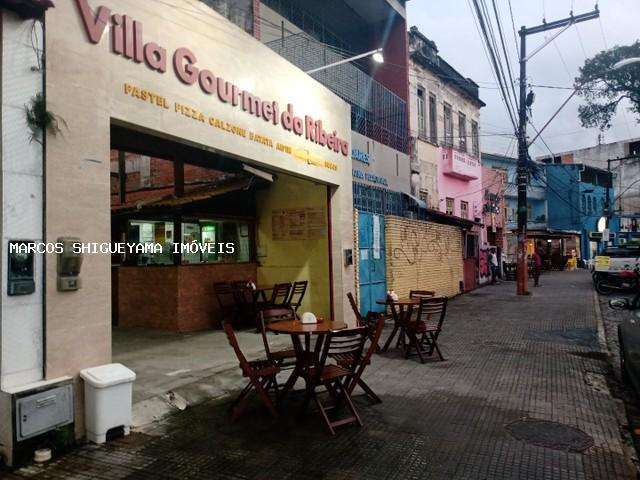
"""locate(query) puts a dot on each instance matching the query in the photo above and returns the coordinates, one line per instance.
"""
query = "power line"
(490, 54)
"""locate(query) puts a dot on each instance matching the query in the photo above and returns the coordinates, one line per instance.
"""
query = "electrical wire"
(495, 71)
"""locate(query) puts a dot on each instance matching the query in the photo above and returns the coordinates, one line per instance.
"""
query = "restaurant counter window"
(150, 232)
(229, 241)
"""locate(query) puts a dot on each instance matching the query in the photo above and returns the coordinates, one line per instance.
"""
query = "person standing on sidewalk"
(493, 263)
(537, 268)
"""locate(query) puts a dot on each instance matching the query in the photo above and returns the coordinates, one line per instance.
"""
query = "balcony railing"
(376, 112)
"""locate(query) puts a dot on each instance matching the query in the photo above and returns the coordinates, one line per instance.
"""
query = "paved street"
(508, 359)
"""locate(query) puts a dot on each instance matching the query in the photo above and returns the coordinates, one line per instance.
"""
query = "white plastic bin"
(108, 391)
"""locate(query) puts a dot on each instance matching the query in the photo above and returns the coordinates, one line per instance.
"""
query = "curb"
(621, 412)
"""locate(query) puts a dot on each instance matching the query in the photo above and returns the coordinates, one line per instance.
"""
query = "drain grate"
(550, 435)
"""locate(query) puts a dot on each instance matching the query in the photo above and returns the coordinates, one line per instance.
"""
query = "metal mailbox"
(43, 411)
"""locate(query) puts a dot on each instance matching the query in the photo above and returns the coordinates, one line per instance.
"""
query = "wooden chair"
(227, 298)
(335, 378)
(423, 332)
(282, 358)
(261, 375)
(370, 321)
(297, 294)
(279, 295)
(421, 293)
(365, 362)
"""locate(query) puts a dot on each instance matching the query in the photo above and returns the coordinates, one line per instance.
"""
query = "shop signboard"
(193, 84)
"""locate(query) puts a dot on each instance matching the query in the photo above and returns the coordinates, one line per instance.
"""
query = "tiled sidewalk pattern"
(508, 358)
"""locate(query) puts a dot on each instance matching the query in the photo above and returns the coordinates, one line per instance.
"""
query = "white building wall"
(21, 324)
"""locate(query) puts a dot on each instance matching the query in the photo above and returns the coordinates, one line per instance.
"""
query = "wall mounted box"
(30, 413)
(20, 268)
(43, 411)
(68, 265)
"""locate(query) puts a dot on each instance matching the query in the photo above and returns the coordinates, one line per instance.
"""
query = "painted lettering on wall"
(127, 40)
(360, 156)
(370, 177)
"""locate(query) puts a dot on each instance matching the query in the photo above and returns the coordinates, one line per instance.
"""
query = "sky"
(451, 25)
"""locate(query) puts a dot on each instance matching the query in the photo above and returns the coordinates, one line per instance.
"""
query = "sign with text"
(460, 164)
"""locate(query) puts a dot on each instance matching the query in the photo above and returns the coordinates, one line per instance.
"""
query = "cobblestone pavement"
(508, 358)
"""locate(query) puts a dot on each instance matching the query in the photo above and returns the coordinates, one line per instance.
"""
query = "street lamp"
(625, 62)
(376, 54)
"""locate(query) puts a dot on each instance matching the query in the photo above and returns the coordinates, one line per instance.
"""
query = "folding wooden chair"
(261, 375)
(370, 321)
(335, 378)
(297, 294)
(227, 300)
(423, 332)
(279, 295)
(282, 358)
(365, 362)
(421, 293)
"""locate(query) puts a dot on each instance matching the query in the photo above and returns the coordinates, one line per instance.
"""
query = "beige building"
(173, 80)
(444, 112)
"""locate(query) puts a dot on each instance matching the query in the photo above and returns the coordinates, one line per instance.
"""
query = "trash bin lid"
(107, 375)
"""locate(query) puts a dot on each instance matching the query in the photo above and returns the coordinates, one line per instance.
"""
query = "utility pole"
(523, 144)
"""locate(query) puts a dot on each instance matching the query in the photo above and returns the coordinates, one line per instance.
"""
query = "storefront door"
(373, 284)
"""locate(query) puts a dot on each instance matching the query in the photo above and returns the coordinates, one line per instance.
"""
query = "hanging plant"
(39, 119)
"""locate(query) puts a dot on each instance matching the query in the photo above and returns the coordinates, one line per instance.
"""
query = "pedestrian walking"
(493, 263)
(537, 267)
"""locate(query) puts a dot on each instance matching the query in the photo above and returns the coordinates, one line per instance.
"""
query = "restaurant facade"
(173, 126)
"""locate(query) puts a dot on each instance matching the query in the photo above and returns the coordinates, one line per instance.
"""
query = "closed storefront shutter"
(423, 255)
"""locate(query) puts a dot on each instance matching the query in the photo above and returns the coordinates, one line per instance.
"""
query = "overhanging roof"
(192, 196)
(27, 8)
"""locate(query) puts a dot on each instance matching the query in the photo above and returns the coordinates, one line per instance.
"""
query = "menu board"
(299, 224)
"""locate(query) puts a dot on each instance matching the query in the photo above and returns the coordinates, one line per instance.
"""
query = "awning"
(27, 8)
(190, 196)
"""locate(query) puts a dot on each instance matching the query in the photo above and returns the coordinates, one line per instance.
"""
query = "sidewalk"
(508, 359)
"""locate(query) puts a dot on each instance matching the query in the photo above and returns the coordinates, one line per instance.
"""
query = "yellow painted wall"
(423, 255)
(289, 260)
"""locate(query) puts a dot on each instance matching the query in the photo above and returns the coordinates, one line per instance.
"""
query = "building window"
(239, 12)
(462, 131)
(216, 235)
(475, 139)
(449, 206)
(589, 205)
(433, 119)
(584, 204)
(448, 126)
(422, 125)
(464, 209)
(150, 232)
(424, 195)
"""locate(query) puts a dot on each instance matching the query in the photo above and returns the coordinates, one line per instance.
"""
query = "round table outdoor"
(304, 355)
(405, 305)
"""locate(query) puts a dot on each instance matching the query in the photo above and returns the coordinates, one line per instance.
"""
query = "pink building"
(460, 184)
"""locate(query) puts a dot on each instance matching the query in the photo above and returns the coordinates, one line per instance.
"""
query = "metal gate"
(372, 268)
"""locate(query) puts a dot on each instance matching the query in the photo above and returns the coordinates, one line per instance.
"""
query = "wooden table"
(305, 357)
(401, 311)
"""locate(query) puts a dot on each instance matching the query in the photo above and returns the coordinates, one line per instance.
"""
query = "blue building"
(576, 196)
(536, 194)
(556, 241)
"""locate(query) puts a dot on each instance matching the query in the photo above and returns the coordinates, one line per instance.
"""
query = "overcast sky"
(451, 25)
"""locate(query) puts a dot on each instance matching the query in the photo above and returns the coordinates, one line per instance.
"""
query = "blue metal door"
(372, 269)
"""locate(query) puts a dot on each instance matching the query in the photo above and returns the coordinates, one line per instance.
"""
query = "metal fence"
(376, 112)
